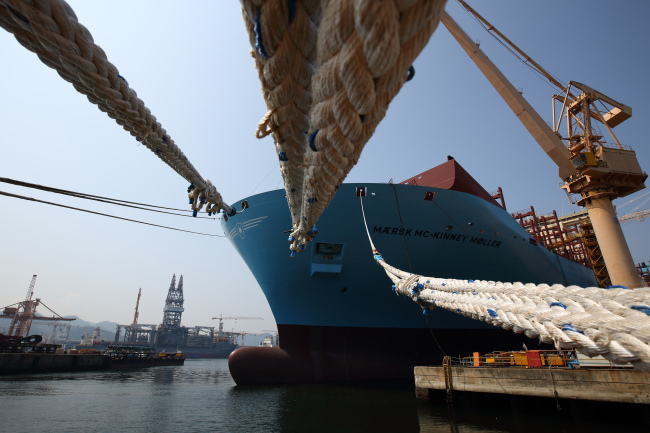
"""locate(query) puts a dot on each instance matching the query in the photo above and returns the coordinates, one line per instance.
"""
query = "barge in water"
(29, 356)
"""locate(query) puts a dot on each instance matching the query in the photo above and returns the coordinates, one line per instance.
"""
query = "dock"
(568, 382)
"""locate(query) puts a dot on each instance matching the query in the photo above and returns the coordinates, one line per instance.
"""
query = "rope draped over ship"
(329, 70)
(613, 322)
(50, 29)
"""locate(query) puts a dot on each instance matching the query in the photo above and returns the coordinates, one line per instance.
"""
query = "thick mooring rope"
(50, 29)
(363, 55)
(614, 322)
(283, 35)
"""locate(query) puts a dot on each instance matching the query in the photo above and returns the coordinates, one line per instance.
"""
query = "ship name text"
(477, 240)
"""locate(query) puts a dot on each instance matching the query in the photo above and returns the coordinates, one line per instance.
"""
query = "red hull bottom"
(338, 354)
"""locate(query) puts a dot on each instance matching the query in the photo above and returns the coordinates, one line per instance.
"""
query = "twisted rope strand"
(51, 30)
(283, 37)
(594, 321)
(614, 323)
(364, 51)
(329, 70)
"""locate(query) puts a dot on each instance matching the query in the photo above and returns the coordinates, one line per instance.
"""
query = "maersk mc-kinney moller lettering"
(436, 235)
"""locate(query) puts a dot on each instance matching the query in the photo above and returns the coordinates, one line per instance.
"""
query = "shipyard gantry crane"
(588, 166)
(24, 316)
(24, 313)
(221, 318)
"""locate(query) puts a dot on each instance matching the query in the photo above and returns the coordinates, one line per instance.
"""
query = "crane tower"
(589, 167)
(174, 304)
(22, 321)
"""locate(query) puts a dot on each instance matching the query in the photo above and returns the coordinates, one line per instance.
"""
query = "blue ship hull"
(337, 316)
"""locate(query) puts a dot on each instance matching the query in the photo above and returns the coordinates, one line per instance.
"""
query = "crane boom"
(137, 304)
(613, 117)
(547, 139)
(634, 216)
(501, 36)
(221, 318)
(30, 291)
(586, 165)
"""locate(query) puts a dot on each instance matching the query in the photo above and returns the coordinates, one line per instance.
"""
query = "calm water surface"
(202, 397)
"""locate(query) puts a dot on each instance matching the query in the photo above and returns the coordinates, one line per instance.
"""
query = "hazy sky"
(191, 66)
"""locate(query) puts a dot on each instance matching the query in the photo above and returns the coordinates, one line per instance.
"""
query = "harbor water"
(200, 396)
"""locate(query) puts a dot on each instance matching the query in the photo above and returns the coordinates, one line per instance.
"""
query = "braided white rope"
(50, 29)
(364, 52)
(614, 323)
(353, 59)
(284, 49)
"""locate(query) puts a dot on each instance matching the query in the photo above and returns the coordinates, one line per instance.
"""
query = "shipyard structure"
(572, 236)
(171, 336)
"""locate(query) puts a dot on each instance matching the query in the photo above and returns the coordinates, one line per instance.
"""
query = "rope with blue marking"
(365, 55)
(329, 70)
(613, 322)
(283, 37)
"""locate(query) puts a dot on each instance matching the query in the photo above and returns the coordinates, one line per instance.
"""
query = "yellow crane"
(588, 166)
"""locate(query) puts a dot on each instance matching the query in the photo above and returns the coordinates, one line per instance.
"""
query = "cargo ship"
(337, 317)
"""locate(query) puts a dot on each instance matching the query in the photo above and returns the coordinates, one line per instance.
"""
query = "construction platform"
(534, 376)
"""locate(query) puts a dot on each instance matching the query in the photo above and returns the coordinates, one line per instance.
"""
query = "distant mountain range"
(106, 328)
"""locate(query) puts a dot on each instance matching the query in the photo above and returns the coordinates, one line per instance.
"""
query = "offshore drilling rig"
(197, 341)
(172, 336)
